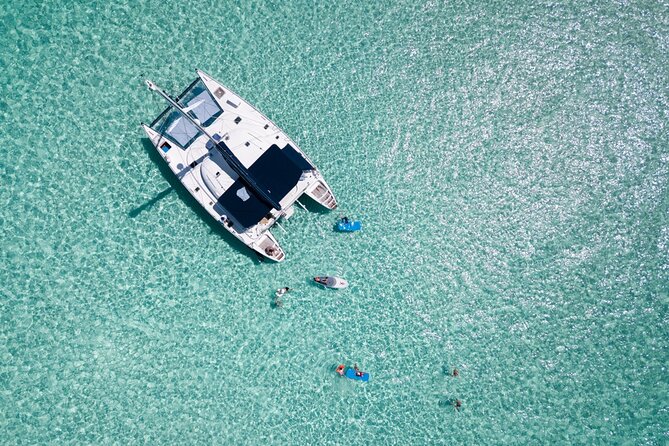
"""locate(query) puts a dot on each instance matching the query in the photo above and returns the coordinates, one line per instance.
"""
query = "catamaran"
(240, 166)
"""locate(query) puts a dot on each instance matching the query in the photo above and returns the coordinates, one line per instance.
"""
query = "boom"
(229, 157)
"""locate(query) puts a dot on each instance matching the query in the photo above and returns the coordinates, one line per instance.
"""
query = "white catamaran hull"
(220, 147)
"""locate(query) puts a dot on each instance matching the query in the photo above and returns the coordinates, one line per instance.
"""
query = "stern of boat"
(322, 194)
(268, 247)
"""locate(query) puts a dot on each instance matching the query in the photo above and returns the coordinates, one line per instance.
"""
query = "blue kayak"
(350, 373)
(351, 226)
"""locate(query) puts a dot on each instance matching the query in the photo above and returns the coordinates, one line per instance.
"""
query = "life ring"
(340, 369)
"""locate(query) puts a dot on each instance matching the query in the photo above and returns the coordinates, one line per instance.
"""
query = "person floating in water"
(455, 373)
(457, 404)
(278, 295)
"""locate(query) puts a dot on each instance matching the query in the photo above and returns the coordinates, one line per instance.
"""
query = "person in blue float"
(357, 370)
(344, 220)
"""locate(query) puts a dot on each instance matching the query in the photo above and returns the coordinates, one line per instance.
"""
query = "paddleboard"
(336, 283)
(350, 373)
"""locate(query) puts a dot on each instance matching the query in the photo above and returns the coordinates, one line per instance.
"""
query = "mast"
(230, 157)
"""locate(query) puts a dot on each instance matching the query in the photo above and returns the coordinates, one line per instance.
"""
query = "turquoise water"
(510, 162)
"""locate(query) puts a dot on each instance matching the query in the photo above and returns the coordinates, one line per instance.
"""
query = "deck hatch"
(201, 105)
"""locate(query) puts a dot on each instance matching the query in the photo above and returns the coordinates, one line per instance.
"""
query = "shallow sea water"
(510, 163)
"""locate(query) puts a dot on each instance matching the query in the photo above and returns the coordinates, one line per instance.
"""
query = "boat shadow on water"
(149, 204)
(191, 202)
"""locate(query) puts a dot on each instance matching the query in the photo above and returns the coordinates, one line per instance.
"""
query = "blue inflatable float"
(348, 226)
(351, 374)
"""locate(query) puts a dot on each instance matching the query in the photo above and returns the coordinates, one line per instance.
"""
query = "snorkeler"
(278, 295)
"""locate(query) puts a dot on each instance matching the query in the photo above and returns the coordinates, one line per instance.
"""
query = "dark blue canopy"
(247, 177)
(275, 173)
(243, 205)
(278, 170)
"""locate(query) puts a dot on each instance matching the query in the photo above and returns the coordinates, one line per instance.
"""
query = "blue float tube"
(350, 373)
(351, 226)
